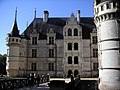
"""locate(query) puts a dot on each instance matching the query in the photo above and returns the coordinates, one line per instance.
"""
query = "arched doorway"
(69, 73)
(76, 72)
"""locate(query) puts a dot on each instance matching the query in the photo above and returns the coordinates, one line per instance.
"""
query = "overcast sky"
(26, 9)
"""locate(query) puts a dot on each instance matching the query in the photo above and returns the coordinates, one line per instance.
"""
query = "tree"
(2, 64)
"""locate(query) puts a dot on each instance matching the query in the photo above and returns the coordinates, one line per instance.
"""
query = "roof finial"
(35, 13)
(16, 14)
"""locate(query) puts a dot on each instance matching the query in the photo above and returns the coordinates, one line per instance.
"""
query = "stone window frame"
(75, 32)
(51, 40)
(70, 60)
(34, 40)
(95, 52)
(33, 66)
(69, 46)
(75, 46)
(69, 32)
(51, 53)
(34, 53)
(51, 66)
(76, 60)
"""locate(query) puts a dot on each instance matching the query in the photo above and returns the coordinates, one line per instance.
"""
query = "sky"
(26, 11)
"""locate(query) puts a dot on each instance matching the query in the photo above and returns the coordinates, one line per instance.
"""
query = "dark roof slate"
(57, 25)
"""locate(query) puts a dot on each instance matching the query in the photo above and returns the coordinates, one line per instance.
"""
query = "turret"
(107, 16)
(13, 42)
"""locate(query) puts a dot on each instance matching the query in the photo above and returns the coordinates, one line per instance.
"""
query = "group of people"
(37, 79)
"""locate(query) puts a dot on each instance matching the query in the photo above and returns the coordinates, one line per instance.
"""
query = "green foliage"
(3, 64)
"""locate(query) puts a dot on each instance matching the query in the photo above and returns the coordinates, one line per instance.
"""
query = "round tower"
(13, 42)
(107, 20)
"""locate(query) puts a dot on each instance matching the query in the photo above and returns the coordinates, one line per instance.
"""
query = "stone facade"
(58, 46)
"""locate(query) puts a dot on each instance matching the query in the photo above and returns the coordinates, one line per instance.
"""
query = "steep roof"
(57, 25)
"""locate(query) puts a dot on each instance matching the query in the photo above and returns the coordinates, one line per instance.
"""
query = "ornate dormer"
(72, 20)
(72, 27)
(51, 36)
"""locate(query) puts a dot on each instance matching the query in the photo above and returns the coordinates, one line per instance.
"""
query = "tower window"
(69, 32)
(69, 60)
(34, 40)
(13, 39)
(75, 60)
(34, 53)
(51, 40)
(95, 52)
(33, 66)
(16, 40)
(94, 39)
(51, 66)
(75, 32)
(75, 46)
(102, 8)
(108, 5)
(51, 52)
(69, 46)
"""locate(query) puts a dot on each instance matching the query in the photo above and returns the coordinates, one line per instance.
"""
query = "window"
(69, 32)
(102, 8)
(75, 32)
(51, 66)
(34, 40)
(69, 46)
(16, 40)
(51, 40)
(114, 4)
(33, 66)
(13, 39)
(95, 52)
(51, 52)
(94, 39)
(75, 46)
(75, 60)
(108, 5)
(69, 60)
(34, 53)
(95, 66)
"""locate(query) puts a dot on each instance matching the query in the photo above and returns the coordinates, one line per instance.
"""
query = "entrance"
(69, 73)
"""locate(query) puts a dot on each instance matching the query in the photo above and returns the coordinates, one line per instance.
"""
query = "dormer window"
(51, 40)
(34, 40)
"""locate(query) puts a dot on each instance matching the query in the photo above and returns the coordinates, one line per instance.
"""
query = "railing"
(14, 83)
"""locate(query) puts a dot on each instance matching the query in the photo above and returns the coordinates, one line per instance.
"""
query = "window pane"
(33, 66)
(75, 32)
(76, 60)
(34, 40)
(51, 52)
(95, 52)
(34, 53)
(69, 60)
(75, 46)
(69, 46)
(51, 66)
(51, 40)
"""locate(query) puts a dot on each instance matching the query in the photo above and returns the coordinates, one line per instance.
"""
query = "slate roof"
(15, 31)
(57, 25)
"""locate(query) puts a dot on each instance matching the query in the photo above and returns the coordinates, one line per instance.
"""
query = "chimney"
(45, 16)
(78, 16)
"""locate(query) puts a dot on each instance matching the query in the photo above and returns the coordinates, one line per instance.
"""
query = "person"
(38, 80)
(72, 77)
